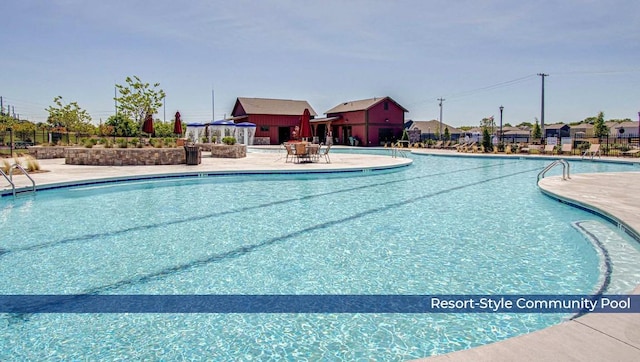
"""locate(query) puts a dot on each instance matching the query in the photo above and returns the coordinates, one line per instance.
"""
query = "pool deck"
(59, 173)
(593, 337)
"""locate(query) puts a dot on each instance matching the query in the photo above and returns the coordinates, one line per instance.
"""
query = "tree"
(486, 140)
(137, 99)
(487, 125)
(68, 116)
(599, 128)
(537, 132)
(123, 126)
(447, 135)
(525, 124)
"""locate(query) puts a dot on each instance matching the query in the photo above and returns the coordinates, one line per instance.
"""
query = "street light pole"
(501, 108)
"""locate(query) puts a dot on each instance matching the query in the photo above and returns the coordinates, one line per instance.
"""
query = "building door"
(346, 133)
(321, 133)
(284, 134)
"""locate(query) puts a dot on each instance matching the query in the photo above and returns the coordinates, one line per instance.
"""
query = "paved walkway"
(593, 337)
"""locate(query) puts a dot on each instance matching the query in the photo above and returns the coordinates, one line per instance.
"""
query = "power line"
(491, 87)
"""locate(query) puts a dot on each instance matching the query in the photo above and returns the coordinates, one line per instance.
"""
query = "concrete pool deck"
(590, 337)
(57, 172)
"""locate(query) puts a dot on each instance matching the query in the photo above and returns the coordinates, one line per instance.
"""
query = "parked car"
(22, 144)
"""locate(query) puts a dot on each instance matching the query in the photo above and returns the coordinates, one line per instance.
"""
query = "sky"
(477, 55)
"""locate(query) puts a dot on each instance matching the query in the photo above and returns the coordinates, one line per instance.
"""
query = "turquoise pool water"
(441, 226)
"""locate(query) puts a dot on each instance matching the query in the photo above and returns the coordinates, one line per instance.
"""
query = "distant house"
(275, 119)
(431, 129)
(623, 129)
(515, 134)
(366, 122)
(557, 130)
(582, 130)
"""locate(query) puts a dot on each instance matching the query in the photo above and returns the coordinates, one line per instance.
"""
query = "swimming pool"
(442, 226)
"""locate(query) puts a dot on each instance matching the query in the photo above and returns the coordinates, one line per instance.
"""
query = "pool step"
(620, 271)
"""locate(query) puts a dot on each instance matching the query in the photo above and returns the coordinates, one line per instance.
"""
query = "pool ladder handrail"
(396, 152)
(10, 178)
(566, 168)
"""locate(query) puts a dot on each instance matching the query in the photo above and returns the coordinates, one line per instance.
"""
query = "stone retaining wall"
(48, 152)
(124, 156)
(228, 151)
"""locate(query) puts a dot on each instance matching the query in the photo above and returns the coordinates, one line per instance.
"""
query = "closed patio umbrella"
(147, 127)
(305, 126)
(177, 126)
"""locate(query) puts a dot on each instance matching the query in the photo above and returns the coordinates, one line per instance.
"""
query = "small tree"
(69, 116)
(599, 128)
(537, 132)
(138, 98)
(447, 135)
(486, 140)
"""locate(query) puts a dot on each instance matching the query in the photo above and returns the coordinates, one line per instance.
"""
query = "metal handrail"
(566, 168)
(19, 166)
(13, 186)
(395, 151)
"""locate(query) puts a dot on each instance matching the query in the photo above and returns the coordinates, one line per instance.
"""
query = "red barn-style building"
(367, 122)
(275, 119)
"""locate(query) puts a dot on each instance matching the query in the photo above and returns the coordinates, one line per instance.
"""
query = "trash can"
(193, 155)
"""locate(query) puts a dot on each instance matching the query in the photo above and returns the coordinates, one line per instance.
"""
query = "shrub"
(157, 142)
(229, 140)
(32, 164)
(169, 142)
(5, 166)
(88, 144)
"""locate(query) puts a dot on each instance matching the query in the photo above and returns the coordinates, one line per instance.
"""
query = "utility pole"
(501, 138)
(542, 106)
(440, 131)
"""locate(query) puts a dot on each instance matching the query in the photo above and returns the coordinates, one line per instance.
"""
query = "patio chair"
(631, 153)
(593, 150)
(325, 154)
(314, 152)
(302, 152)
(567, 148)
(438, 144)
(461, 147)
(549, 149)
(291, 154)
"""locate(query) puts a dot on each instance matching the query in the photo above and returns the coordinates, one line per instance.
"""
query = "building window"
(386, 106)
(264, 128)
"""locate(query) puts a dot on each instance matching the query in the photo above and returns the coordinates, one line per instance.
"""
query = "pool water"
(441, 226)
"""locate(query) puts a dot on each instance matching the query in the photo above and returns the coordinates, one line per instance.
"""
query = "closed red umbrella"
(305, 126)
(147, 127)
(177, 126)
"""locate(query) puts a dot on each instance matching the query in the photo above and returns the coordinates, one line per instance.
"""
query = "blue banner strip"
(319, 304)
